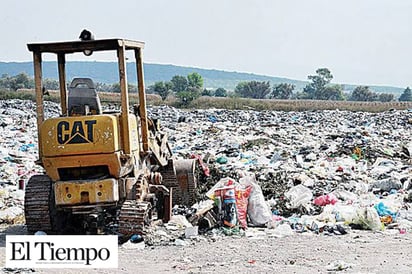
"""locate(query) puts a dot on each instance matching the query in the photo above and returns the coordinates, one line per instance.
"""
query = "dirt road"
(356, 252)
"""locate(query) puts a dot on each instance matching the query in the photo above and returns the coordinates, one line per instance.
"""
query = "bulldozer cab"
(101, 167)
(82, 98)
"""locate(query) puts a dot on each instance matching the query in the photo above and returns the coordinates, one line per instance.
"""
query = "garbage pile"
(285, 172)
(18, 152)
(317, 171)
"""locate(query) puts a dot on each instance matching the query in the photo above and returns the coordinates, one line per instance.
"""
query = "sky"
(362, 42)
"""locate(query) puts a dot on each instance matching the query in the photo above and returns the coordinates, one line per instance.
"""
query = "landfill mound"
(289, 172)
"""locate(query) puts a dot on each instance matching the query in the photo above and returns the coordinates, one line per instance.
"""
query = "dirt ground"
(356, 252)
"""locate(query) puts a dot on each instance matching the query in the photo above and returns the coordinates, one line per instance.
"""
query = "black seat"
(83, 98)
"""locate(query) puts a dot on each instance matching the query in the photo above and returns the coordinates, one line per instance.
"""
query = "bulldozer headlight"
(87, 52)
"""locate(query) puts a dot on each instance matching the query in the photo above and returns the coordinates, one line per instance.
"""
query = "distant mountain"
(106, 72)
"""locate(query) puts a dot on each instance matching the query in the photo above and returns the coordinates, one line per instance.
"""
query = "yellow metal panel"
(125, 100)
(134, 135)
(86, 192)
(80, 135)
(112, 161)
(39, 95)
(142, 99)
(61, 60)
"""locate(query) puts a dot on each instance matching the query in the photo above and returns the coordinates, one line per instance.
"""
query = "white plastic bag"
(258, 210)
(282, 230)
(221, 184)
(299, 196)
(368, 218)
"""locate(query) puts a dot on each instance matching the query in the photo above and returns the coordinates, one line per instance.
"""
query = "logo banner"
(66, 251)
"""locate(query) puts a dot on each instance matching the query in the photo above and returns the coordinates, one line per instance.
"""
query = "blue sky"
(360, 41)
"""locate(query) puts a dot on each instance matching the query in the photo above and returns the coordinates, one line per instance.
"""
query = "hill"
(106, 72)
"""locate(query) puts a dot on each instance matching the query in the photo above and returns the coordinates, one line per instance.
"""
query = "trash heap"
(314, 171)
(287, 172)
(18, 153)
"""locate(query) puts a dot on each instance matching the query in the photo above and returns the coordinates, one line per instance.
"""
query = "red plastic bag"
(242, 198)
(325, 200)
(203, 165)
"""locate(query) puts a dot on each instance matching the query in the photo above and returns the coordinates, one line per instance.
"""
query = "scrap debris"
(287, 172)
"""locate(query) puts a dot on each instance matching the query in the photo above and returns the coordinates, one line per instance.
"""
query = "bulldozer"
(104, 171)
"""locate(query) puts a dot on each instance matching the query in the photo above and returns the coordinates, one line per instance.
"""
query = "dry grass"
(54, 96)
(296, 105)
(108, 97)
(230, 102)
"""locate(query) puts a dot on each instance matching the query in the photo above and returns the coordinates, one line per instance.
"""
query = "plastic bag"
(299, 196)
(221, 184)
(227, 206)
(383, 210)
(325, 200)
(368, 218)
(282, 230)
(258, 210)
(242, 201)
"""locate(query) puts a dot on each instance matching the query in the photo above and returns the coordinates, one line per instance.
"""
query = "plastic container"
(229, 203)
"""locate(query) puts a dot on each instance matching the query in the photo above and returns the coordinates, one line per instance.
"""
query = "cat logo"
(79, 133)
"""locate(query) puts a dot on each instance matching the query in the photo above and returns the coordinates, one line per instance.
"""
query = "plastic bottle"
(229, 201)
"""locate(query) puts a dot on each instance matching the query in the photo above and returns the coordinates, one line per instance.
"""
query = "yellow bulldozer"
(104, 170)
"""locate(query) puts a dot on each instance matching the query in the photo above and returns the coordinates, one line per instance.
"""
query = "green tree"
(5, 81)
(332, 92)
(162, 89)
(21, 80)
(186, 97)
(194, 81)
(51, 84)
(101, 87)
(220, 92)
(315, 89)
(242, 89)
(115, 87)
(283, 91)
(363, 93)
(179, 83)
(189, 88)
(132, 88)
(169, 86)
(207, 92)
(386, 97)
(253, 89)
(302, 95)
(406, 96)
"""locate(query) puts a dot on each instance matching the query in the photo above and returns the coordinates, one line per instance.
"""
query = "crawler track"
(133, 217)
(38, 207)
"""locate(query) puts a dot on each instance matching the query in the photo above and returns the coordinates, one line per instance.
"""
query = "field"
(327, 140)
(206, 102)
(296, 105)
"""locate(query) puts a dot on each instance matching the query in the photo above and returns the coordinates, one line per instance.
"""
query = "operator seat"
(83, 98)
